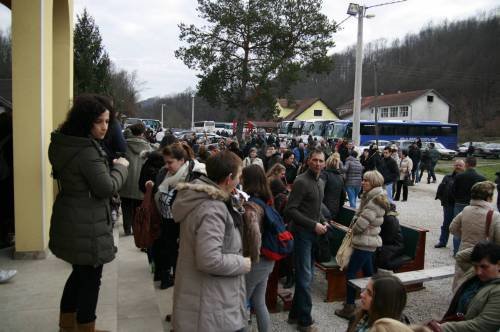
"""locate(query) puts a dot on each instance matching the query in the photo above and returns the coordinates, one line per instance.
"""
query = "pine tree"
(253, 50)
(91, 61)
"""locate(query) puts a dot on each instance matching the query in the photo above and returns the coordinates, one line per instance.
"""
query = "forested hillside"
(461, 60)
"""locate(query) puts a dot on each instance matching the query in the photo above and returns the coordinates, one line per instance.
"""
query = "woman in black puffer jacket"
(81, 231)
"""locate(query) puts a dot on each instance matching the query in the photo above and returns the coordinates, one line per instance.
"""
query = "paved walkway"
(130, 301)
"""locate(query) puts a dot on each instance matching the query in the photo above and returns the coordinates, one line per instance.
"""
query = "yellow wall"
(33, 96)
(308, 114)
(283, 111)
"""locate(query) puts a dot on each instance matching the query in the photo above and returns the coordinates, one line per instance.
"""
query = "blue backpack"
(277, 242)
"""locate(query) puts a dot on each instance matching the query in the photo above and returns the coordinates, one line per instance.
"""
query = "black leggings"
(166, 247)
(81, 292)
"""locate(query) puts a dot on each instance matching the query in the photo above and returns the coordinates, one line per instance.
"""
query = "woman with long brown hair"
(255, 184)
(383, 297)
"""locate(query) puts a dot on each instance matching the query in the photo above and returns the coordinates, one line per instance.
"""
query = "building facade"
(420, 105)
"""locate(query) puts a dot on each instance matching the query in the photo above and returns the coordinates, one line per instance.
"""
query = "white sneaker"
(6, 275)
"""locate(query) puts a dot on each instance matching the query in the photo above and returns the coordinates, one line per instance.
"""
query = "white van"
(204, 126)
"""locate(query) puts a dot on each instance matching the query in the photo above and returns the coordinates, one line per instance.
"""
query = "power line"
(385, 3)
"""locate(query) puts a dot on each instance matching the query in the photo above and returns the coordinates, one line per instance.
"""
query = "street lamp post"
(353, 10)
(357, 79)
(192, 112)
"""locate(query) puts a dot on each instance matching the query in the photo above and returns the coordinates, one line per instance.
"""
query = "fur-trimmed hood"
(376, 195)
(192, 194)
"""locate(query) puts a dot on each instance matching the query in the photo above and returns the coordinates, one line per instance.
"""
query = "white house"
(424, 105)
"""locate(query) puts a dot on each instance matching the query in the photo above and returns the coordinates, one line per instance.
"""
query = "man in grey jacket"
(303, 211)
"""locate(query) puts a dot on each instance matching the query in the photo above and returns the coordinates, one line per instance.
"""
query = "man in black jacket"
(303, 211)
(445, 195)
(389, 169)
(415, 155)
(461, 190)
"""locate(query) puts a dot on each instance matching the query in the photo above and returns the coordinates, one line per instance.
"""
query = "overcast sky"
(142, 36)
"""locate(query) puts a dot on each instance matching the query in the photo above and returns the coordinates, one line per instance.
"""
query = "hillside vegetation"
(458, 59)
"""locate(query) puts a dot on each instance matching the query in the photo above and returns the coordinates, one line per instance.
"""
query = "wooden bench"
(413, 255)
(412, 277)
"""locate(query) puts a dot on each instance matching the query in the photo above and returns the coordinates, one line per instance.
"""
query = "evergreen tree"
(253, 50)
(91, 61)
(5, 55)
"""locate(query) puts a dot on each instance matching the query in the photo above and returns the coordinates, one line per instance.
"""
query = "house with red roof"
(419, 105)
(304, 109)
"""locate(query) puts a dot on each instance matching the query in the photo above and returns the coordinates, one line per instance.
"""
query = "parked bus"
(204, 126)
(285, 129)
(430, 131)
(315, 128)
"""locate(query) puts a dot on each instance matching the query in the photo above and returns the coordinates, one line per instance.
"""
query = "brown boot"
(347, 311)
(67, 322)
(88, 327)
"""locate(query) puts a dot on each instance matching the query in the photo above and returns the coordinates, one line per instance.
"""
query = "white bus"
(204, 126)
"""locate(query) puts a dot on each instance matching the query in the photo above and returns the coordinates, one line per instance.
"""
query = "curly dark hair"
(86, 109)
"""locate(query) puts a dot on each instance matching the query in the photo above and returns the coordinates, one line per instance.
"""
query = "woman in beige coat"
(209, 291)
(470, 224)
(365, 239)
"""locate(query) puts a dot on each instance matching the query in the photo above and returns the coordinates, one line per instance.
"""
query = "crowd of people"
(215, 203)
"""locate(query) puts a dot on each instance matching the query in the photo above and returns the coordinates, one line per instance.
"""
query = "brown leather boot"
(88, 327)
(67, 322)
(347, 311)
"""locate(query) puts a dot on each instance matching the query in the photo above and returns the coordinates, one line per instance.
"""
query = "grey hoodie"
(136, 149)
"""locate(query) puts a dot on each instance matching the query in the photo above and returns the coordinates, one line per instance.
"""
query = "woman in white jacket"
(405, 168)
(252, 159)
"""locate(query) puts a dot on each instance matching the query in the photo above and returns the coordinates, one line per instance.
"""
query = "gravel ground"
(420, 210)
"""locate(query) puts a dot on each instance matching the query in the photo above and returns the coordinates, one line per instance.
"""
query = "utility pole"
(375, 94)
(162, 125)
(192, 112)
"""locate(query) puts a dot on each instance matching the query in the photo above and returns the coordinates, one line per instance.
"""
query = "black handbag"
(322, 252)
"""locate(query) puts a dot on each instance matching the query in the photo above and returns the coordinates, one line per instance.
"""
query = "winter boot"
(67, 322)
(347, 311)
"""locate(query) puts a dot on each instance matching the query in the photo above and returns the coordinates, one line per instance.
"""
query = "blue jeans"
(456, 240)
(388, 188)
(414, 171)
(303, 258)
(430, 172)
(352, 193)
(256, 284)
(448, 214)
(360, 260)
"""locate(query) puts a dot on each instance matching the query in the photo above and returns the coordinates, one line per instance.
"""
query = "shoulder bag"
(345, 250)
(489, 218)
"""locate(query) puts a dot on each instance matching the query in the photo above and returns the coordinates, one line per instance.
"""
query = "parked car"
(491, 150)
(131, 121)
(463, 148)
(443, 151)
(403, 144)
(381, 145)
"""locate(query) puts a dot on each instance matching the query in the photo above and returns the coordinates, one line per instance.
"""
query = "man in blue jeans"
(389, 169)
(445, 195)
(303, 211)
